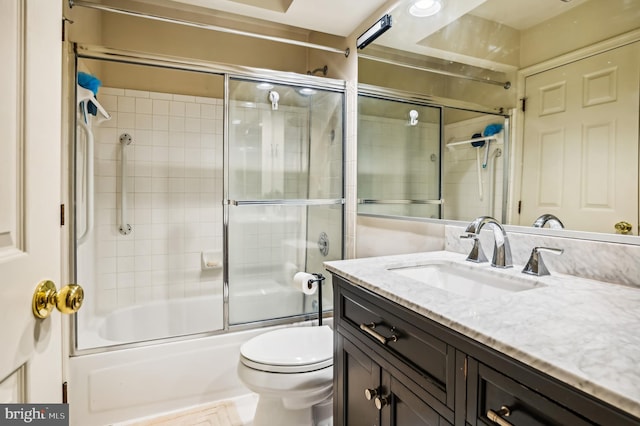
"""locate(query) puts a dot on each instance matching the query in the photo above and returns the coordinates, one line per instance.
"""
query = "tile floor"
(238, 411)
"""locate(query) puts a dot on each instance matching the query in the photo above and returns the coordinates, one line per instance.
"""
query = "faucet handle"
(535, 265)
(476, 254)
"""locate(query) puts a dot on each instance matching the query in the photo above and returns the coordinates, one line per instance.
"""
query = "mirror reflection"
(573, 66)
(398, 157)
(420, 160)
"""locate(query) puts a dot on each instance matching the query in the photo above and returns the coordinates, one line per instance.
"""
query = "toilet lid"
(293, 349)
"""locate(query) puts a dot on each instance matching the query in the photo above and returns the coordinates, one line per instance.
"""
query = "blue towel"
(492, 129)
(90, 82)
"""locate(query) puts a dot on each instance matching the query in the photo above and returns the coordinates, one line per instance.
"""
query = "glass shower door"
(148, 205)
(285, 196)
(398, 158)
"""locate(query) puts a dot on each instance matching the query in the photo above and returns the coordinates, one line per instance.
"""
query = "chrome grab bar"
(369, 329)
(88, 182)
(125, 141)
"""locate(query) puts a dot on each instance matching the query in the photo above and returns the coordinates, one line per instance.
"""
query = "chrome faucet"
(501, 249)
(553, 221)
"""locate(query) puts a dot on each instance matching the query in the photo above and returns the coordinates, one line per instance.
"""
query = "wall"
(156, 37)
(379, 236)
(565, 33)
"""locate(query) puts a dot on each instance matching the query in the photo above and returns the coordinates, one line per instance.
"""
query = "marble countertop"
(585, 333)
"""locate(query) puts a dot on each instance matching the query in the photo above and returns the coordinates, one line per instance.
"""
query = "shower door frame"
(92, 52)
(308, 202)
(384, 93)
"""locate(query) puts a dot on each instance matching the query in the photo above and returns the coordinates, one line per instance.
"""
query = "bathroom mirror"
(576, 64)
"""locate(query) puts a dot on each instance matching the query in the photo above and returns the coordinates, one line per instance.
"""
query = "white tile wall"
(460, 176)
(174, 193)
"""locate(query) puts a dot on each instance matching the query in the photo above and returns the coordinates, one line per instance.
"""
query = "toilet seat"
(290, 350)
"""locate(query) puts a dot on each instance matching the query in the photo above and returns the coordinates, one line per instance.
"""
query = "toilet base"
(271, 411)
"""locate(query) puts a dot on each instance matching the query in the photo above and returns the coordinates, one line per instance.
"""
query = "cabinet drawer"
(525, 406)
(424, 358)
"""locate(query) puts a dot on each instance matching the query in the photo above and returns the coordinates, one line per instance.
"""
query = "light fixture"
(375, 31)
(424, 8)
(264, 86)
(306, 91)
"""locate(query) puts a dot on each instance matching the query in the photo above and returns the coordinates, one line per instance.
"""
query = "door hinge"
(65, 400)
(65, 20)
(524, 104)
(519, 206)
(61, 214)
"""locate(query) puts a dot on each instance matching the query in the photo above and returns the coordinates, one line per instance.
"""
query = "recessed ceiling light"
(264, 86)
(424, 8)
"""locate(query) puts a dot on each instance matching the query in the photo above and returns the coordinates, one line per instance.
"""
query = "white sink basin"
(467, 280)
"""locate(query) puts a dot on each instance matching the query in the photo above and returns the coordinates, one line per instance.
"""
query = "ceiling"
(342, 18)
(523, 14)
(327, 16)
(413, 36)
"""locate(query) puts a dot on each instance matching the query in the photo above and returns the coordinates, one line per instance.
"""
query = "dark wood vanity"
(393, 366)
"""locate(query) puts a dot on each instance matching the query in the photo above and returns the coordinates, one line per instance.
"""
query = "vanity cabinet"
(390, 370)
(393, 366)
(374, 396)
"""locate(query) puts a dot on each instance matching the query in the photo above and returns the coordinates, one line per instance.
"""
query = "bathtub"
(123, 384)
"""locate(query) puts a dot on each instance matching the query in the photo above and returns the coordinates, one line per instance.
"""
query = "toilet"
(291, 370)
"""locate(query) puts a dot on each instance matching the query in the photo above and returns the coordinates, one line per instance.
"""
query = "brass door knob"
(68, 300)
(623, 227)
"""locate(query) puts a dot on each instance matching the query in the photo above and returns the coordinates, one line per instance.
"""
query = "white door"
(30, 153)
(580, 155)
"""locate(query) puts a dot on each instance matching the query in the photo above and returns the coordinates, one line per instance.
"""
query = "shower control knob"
(370, 394)
(45, 297)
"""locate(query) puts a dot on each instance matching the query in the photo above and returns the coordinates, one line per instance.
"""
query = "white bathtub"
(161, 319)
(124, 384)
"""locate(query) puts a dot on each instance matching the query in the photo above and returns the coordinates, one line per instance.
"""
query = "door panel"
(405, 407)
(30, 149)
(361, 373)
(580, 155)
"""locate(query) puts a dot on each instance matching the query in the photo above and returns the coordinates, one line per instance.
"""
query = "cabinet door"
(402, 407)
(355, 374)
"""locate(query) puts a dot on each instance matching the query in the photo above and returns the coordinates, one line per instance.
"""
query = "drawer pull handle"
(496, 417)
(369, 329)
